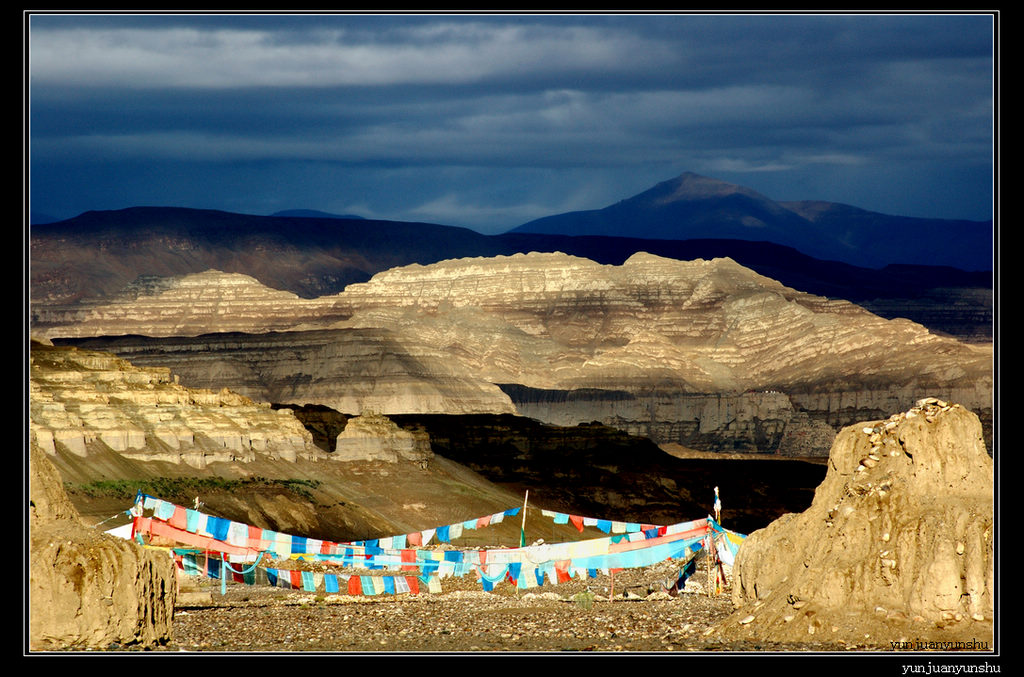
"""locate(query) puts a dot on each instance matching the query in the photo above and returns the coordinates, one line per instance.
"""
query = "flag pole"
(522, 529)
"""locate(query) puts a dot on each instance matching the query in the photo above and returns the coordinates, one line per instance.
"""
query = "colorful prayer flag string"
(626, 547)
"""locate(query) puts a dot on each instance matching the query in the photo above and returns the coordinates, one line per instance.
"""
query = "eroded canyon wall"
(79, 398)
(702, 353)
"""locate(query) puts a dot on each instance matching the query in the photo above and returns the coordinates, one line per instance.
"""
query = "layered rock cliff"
(692, 352)
(200, 303)
(348, 370)
(81, 398)
(105, 425)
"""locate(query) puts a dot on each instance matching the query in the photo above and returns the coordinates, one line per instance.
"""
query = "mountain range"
(100, 254)
(691, 206)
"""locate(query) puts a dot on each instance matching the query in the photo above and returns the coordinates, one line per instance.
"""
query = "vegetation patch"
(183, 487)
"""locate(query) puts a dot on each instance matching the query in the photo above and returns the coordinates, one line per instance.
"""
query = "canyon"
(352, 389)
(706, 354)
(107, 425)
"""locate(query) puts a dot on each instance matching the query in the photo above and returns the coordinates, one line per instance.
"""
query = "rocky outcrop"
(82, 398)
(898, 542)
(373, 437)
(681, 350)
(87, 589)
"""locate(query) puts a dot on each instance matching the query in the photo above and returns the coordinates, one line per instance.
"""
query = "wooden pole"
(707, 557)
(522, 532)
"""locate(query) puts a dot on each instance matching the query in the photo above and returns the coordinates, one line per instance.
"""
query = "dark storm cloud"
(491, 121)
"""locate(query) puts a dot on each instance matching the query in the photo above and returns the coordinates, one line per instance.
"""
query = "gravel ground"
(641, 617)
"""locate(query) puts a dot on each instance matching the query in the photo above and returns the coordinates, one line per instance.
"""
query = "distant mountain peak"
(689, 186)
(693, 207)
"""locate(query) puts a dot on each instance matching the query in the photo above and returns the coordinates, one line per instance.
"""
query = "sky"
(491, 120)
